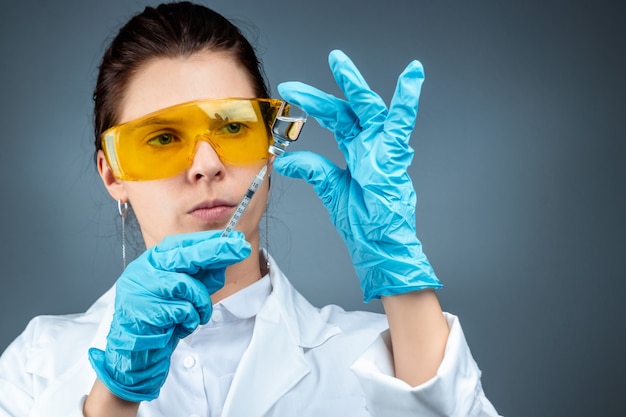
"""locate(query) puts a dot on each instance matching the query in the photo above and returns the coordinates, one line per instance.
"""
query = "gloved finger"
(153, 326)
(369, 107)
(142, 290)
(403, 109)
(212, 279)
(330, 112)
(187, 316)
(322, 174)
(192, 252)
(192, 293)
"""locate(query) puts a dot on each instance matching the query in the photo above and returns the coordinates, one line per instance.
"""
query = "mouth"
(215, 212)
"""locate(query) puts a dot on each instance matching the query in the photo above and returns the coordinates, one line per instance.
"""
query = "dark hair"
(170, 30)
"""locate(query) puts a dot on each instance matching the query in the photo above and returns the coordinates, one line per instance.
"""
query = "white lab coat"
(301, 361)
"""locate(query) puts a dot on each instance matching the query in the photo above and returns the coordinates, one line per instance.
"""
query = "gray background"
(518, 168)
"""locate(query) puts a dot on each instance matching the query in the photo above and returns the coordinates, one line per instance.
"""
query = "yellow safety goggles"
(163, 144)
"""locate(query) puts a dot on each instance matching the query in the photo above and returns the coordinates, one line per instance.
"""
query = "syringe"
(254, 186)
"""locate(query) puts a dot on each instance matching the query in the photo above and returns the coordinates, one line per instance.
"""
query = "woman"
(206, 324)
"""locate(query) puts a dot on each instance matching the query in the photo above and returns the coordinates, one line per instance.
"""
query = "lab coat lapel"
(271, 366)
(274, 361)
(65, 395)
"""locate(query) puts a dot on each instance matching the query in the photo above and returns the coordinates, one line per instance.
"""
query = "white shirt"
(205, 362)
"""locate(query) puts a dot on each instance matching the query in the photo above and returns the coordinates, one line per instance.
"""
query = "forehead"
(164, 82)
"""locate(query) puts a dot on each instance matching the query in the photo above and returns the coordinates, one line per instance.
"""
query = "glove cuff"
(97, 360)
(402, 289)
(393, 277)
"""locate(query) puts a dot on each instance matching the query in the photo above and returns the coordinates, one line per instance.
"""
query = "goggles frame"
(163, 143)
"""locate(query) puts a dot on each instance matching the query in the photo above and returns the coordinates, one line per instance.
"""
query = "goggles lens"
(163, 144)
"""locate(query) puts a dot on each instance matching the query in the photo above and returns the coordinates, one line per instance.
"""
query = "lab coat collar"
(285, 328)
(308, 327)
(247, 302)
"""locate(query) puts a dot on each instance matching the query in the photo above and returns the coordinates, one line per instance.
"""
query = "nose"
(206, 163)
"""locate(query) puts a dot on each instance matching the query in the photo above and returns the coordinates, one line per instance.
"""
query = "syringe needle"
(254, 186)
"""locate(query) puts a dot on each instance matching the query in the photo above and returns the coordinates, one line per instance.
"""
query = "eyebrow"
(158, 121)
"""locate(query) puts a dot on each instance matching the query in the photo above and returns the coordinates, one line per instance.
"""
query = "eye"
(162, 140)
(233, 128)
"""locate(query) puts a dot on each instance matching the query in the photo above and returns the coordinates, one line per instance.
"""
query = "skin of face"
(204, 196)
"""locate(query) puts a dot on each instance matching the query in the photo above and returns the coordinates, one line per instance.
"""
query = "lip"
(216, 211)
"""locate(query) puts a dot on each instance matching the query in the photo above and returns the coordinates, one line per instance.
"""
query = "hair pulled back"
(168, 31)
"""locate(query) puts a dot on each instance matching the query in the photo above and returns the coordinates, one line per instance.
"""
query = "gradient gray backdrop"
(518, 168)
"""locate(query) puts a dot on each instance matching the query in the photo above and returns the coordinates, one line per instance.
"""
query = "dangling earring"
(122, 208)
(267, 244)
(266, 255)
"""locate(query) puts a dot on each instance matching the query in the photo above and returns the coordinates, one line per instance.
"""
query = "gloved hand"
(160, 298)
(372, 201)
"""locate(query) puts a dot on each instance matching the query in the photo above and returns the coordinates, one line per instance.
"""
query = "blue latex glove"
(160, 298)
(372, 201)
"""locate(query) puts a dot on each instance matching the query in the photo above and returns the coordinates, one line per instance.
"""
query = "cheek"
(149, 200)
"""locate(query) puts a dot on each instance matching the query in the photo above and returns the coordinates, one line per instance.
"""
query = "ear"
(114, 186)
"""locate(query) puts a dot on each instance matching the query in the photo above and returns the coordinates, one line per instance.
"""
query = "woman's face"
(205, 195)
